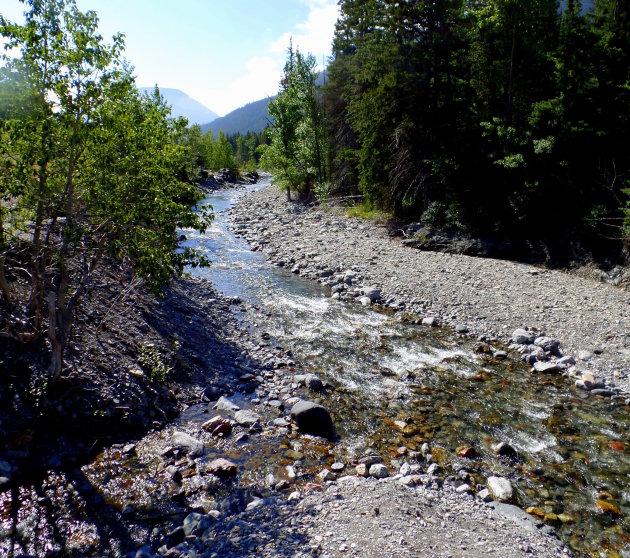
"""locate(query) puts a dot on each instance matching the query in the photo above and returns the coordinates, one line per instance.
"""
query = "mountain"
(185, 106)
(253, 117)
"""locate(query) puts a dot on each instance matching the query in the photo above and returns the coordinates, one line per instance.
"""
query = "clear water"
(399, 384)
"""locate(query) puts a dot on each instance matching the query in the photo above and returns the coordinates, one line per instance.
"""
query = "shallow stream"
(399, 384)
(393, 384)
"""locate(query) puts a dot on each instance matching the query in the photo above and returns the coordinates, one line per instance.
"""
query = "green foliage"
(152, 360)
(297, 152)
(483, 114)
(89, 169)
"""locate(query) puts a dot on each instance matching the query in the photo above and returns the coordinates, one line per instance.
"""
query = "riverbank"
(485, 297)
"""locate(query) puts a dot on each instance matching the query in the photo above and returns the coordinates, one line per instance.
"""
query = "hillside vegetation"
(503, 118)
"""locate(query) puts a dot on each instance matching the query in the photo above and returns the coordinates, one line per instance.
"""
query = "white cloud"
(259, 79)
(261, 75)
(315, 34)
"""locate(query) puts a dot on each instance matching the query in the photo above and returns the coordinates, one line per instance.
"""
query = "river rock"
(218, 426)
(224, 404)
(546, 367)
(500, 489)
(522, 337)
(222, 468)
(504, 449)
(312, 418)
(372, 292)
(196, 523)
(548, 344)
(246, 418)
(311, 381)
(187, 444)
(378, 471)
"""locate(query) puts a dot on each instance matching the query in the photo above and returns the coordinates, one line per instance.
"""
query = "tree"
(298, 151)
(89, 170)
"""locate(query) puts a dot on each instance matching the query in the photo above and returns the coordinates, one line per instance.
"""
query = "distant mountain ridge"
(253, 117)
(184, 105)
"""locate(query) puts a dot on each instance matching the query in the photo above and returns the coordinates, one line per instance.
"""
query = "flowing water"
(395, 384)
(403, 385)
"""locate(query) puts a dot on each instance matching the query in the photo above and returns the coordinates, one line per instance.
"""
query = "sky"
(223, 53)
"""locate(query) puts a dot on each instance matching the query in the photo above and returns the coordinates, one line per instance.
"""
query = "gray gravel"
(484, 296)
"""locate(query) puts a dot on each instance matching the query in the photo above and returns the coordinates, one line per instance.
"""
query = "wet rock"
(548, 344)
(222, 468)
(311, 381)
(566, 361)
(246, 418)
(546, 367)
(176, 536)
(503, 449)
(372, 292)
(379, 471)
(500, 489)
(218, 426)
(312, 418)
(522, 337)
(224, 404)
(187, 444)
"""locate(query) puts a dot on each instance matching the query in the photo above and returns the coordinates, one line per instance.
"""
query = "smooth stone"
(566, 361)
(312, 418)
(311, 381)
(430, 321)
(224, 404)
(461, 329)
(500, 489)
(546, 367)
(222, 468)
(196, 522)
(337, 466)
(463, 489)
(548, 344)
(372, 292)
(187, 444)
(379, 471)
(365, 300)
(246, 418)
(522, 337)
(484, 495)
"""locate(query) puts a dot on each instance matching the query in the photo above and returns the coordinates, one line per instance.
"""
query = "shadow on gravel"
(48, 507)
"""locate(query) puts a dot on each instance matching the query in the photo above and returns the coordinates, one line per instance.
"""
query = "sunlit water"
(395, 385)
(399, 384)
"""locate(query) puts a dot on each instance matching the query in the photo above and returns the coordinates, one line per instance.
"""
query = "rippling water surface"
(399, 384)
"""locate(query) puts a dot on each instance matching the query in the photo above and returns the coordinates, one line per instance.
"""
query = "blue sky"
(223, 53)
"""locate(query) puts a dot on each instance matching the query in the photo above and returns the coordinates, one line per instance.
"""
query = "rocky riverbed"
(488, 298)
(236, 475)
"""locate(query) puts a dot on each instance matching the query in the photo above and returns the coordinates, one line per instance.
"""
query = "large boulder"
(312, 418)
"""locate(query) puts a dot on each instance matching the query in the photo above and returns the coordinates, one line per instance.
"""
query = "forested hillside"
(253, 117)
(499, 117)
